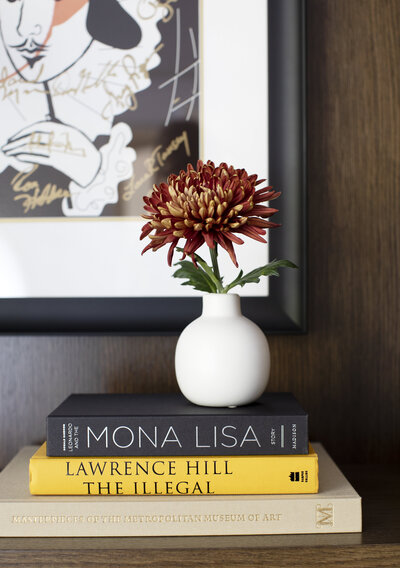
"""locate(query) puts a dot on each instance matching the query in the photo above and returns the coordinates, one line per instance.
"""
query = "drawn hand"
(58, 145)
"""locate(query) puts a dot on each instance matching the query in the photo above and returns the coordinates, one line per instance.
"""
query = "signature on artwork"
(121, 94)
(146, 9)
(31, 194)
(64, 83)
(50, 142)
(158, 158)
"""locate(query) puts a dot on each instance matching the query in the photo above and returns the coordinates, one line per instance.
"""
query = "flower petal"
(253, 233)
(227, 245)
(233, 238)
(210, 204)
(209, 239)
(171, 252)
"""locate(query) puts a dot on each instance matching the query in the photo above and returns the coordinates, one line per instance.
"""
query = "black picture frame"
(284, 310)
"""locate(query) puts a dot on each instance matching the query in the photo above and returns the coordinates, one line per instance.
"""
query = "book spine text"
(195, 475)
(152, 516)
(180, 435)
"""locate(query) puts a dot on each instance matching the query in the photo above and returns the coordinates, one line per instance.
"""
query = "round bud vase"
(222, 358)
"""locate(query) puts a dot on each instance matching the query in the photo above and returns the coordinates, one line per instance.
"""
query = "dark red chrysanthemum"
(209, 205)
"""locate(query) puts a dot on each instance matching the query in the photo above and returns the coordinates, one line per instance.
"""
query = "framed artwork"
(99, 100)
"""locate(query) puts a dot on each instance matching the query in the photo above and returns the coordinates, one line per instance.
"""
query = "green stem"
(214, 261)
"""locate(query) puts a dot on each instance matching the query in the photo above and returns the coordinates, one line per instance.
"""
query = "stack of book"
(158, 465)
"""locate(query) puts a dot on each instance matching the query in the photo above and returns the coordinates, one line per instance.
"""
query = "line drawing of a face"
(89, 58)
(43, 38)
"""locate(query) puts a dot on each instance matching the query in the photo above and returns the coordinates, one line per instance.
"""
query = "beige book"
(336, 508)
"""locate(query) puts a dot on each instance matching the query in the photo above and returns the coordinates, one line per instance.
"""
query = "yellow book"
(182, 475)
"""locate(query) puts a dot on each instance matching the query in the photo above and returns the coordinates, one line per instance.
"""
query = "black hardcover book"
(169, 425)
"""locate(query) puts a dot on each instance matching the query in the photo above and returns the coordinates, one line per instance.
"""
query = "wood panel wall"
(345, 370)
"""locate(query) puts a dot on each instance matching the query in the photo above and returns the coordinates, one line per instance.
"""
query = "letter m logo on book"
(324, 516)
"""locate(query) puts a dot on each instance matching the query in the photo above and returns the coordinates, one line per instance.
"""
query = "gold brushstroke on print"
(50, 142)
(31, 194)
(13, 86)
(144, 6)
(158, 158)
(143, 67)
(86, 81)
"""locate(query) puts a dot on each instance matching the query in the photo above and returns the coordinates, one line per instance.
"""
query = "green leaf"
(270, 269)
(210, 273)
(196, 277)
(217, 283)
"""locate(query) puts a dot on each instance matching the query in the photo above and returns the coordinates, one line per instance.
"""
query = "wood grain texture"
(345, 370)
(367, 557)
(37, 373)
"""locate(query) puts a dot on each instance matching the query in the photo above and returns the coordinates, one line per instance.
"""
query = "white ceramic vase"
(222, 358)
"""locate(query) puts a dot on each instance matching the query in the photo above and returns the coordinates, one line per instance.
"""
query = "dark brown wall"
(346, 370)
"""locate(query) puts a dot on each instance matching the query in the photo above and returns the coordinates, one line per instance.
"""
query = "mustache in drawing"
(30, 46)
